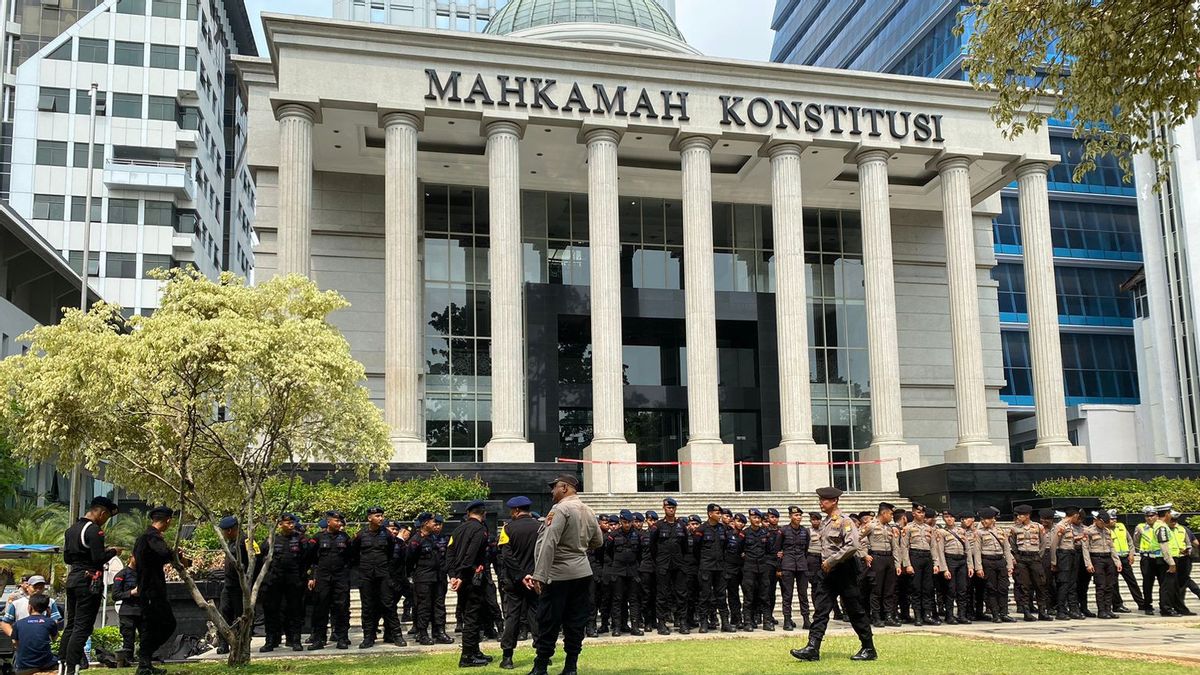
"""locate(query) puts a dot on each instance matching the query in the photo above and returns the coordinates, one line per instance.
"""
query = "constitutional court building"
(584, 241)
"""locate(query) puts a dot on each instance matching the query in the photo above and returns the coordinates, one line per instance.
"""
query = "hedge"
(402, 500)
(1127, 495)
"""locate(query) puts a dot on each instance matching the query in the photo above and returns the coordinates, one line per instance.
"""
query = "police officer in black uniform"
(646, 524)
(85, 552)
(231, 583)
(669, 544)
(425, 561)
(838, 578)
(283, 589)
(517, 540)
(373, 548)
(469, 577)
(733, 562)
(771, 522)
(622, 551)
(158, 619)
(793, 563)
(330, 578)
(760, 549)
(710, 543)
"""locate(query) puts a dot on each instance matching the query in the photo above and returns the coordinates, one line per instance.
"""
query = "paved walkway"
(1133, 635)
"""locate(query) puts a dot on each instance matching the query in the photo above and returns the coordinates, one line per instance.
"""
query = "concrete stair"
(696, 502)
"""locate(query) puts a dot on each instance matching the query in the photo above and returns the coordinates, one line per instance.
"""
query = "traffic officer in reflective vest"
(838, 578)
(1123, 545)
(1148, 553)
(374, 547)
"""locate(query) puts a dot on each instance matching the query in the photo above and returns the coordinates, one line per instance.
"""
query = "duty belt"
(1037, 553)
(923, 551)
(879, 553)
(993, 556)
(956, 556)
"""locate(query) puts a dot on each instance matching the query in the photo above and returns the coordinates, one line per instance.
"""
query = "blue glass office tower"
(1095, 222)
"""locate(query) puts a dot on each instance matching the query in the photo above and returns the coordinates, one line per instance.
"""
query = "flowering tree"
(199, 404)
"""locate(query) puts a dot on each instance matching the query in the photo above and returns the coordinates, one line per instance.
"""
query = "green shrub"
(399, 499)
(1127, 495)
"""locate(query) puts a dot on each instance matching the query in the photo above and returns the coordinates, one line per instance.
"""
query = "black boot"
(788, 624)
(807, 623)
(442, 638)
(506, 662)
(662, 628)
(570, 665)
(866, 653)
(811, 651)
(539, 668)
(472, 661)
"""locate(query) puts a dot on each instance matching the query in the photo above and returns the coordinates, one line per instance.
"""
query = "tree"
(1121, 69)
(199, 404)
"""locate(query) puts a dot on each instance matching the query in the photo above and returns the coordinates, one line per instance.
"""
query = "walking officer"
(469, 577)
(622, 550)
(669, 545)
(1148, 551)
(759, 550)
(283, 589)
(838, 578)
(84, 551)
(1102, 562)
(1062, 542)
(373, 548)
(794, 540)
(1027, 540)
(994, 562)
(330, 579)
(517, 540)
(710, 541)
(883, 565)
(1123, 545)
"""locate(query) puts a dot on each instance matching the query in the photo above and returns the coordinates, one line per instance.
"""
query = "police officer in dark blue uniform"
(709, 543)
(283, 589)
(646, 567)
(330, 579)
(759, 549)
(669, 544)
(734, 542)
(793, 561)
(374, 547)
(622, 550)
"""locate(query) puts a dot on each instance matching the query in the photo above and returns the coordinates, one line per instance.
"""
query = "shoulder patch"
(550, 517)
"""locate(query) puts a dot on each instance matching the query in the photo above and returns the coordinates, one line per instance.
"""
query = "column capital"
(490, 126)
(687, 141)
(864, 154)
(778, 148)
(309, 109)
(1034, 167)
(390, 117)
(589, 135)
(953, 158)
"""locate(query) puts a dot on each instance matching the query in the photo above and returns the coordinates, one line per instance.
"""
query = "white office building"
(469, 16)
(170, 183)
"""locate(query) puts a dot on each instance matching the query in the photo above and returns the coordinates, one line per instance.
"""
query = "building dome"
(640, 24)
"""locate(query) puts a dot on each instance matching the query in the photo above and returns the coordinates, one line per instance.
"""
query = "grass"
(926, 655)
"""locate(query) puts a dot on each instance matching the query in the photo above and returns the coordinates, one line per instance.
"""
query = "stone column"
(1045, 349)
(970, 393)
(791, 318)
(293, 238)
(887, 425)
(403, 298)
(608, 404)
(508, 442)
(708, 462)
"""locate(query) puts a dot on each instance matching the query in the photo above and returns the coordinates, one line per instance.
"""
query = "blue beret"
(772, 511)
(626, 514)
(374, 509)
(439, 519)
(637, 517)
(652, 514)
(335, 514)
(755, 512)
(161, 512)
(228, 522)
(423, 517)
(613, 519)
(694, 518)
(290, 516)
(477, 504)
(741, 518)
(519, 502)
(322, 523)
(670, 501)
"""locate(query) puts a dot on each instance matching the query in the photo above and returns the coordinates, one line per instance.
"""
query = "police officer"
(85, 552)
(1062, 542)
(1027, 540)
(517, 541)
(760, 549)
(917, 557)
(710, 541)
(735, 540)
(647, 524)
(469, 577)
(231, 603)
(373, 548)
(329, 578)
(691, 571)
(669, 546)
(441, 584)
(1102, 562)
(814, 562)
(283, 590)
(425, 561)
(793, 544)
(602, 575)
(1167, 563)
(398, 577)
(838, 578)
(1148, 551)
(1123, 545)
(622, 552)
(1049, 519)
(158, 620)
(994, 562)
(883, 563)
(771, 522)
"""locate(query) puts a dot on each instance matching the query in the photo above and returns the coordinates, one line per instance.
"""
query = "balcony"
(137, 174)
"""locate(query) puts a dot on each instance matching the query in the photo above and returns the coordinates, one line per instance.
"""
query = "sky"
(739, 29)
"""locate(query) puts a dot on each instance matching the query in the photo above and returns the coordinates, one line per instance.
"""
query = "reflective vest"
(1120, 537)
(1146, 543)
(1178, 541)
(1160, 525)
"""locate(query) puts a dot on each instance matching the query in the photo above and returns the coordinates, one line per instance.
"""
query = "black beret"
(1023, 509)
(795, 509)
(713, 507)
(884, 506)
(1046, 513)
(374, 509)
(104, 502)
(228, 522)
(161, 512)
(1071, 510)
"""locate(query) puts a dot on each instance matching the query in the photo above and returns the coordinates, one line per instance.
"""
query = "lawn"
(932, 655)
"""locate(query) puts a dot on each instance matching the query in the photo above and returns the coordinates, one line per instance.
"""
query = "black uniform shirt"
(516, 544)
(621, 551)
(793, 542)
(424, 558)
(83, 547)
(332, 552)
(669, 541)
(468, 550)
(152, 554)
(373, 549)
(735, 541)
(709, 541)
(232, 579)
(760, 549)
(123, 584)
(289, 556)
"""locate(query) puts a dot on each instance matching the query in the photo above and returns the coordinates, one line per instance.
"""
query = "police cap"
(439, 519)
(613, 519)
(422, 518)
(374, 509)
(160, 512)
(741, 517)
(694, 518)
(1148, 510)
(335, 514)
(638, 518)
(670, 501)
(884, 506)
(519, 502)
(829, 493)
(794, 509)
(289, 516)
(228, 522)
(476, 505)
(1046, 513)
(726, 512)
(773, 512)
(1023, 509)
(651, 515)
(1105, 516)
(754, 512)
(1071, 510)
(565, 478)
(103, 502)
(626, 514)
(963, 515)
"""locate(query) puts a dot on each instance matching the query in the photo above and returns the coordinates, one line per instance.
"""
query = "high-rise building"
(170, 183)
(1094, 222)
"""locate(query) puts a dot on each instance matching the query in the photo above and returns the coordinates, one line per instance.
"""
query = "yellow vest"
(1160, 525)
(1120, 537)
(1178, 541)
(1146, 542)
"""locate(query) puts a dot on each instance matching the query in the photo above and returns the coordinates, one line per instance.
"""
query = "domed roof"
(521, 15)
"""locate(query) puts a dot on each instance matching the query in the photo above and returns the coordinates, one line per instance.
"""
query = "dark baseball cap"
(566, 478)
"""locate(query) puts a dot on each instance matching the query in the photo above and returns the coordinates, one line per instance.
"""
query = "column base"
(803, 477)
(713, 471)
(600, 478)
(408, 451)
(1057, 454)
(509, 451)
(882, 477)
(984, 453)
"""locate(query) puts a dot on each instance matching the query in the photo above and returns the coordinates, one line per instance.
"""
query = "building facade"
(170, 185)
(1094, 222)
(470, 16)
(670, 267)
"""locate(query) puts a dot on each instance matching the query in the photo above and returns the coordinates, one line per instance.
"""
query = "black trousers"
(375, 595)
(649, 598)
(440, 588)
(520, 605)
(733, 596)
(1084, 579)
(1135, 591)
(672, 595)
(841, 582)
(1150, 574)
(1106, 582)
(475, 611)
(562, 606)
(625, 597)
(712, 595)
(922, 582)
(1067, 578)
(158, 625)
(1051, 579)
(797, 581)
(424, 615)
(958, 587)
(128, 625)
(231, 608)
(332, 608)
(1184, 572)
(882, 573)
(995, 570)
(773, 578)
(1031, 583)
(83, 604)
(600, 600)
(1168, 585)
(756, 594)
(283, 610)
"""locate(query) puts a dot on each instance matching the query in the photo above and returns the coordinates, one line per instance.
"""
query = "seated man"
(32, 636)
(18, 607)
